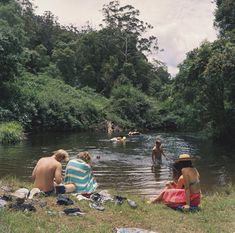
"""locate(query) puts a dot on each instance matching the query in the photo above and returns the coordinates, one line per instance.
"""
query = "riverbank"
(216, 215)
(11, 132)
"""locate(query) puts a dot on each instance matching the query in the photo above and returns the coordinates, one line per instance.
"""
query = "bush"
(133, 106)
(43, 103)
(10, 132)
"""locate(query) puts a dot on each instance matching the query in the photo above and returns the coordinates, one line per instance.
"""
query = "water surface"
(125, 166)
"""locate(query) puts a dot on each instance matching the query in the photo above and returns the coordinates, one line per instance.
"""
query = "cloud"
(180, 25)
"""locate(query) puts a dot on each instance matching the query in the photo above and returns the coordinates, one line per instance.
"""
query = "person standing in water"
(157, 153)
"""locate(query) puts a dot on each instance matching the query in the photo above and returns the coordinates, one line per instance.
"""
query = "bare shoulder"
(186, 170)
(58, 164)
(196, 171)
(41, 160)
(189, 170)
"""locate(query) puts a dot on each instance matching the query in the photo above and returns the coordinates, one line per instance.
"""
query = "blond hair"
(85, 156)
(61, 155)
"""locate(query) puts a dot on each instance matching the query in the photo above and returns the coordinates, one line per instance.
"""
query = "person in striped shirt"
(79, 176)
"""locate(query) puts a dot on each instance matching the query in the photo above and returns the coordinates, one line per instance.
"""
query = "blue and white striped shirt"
(80, 174)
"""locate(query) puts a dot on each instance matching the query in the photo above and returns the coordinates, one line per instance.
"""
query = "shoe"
(20, 193)
(131, 203)
(18, 197)
(95, 197)
(34, 191)
(73, 212)
(23, 207)
(119, 200)
(63, 200)
(96, 206)
(6, 197)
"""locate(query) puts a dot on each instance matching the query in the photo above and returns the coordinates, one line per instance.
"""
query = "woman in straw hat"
(186, 192)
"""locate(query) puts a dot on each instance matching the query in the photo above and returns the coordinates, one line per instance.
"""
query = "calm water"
(125, 166)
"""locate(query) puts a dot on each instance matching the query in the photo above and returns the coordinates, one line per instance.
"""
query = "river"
(125, 166)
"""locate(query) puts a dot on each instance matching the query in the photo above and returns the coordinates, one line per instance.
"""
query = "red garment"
(177, 197)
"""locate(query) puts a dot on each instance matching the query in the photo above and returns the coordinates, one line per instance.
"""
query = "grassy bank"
(217, 215)
(10, 132)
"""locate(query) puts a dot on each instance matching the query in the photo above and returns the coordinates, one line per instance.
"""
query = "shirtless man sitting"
(157, 153)
(48, 171)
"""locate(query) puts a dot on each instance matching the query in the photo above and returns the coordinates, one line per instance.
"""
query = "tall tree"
(225, 16)
(10, 49)
(130, 27)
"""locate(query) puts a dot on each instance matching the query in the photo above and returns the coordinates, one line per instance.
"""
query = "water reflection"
(125, 166)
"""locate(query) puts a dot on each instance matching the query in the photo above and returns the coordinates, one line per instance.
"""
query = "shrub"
(133, 106)
(43, 103)
(10, 132)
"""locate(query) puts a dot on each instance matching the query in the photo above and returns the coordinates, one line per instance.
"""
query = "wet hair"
(85, 156)
(61, 155)
(178, 166)
(176, 171)
(185, 163)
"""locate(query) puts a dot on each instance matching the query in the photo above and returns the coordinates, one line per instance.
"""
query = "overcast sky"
(179, 25)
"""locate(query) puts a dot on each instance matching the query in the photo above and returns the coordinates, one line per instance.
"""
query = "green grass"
(10, 132)
(217, 215)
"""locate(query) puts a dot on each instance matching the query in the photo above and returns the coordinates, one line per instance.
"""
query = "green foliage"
(220, 79)
(35, 60)
(205, 85)
(102, 60)
(48, 104)
(125, 19)
(10, 49)
(159, 85)
(10, 132)
(225, 16)
(65, 61)
(70, 79)
(133, 106)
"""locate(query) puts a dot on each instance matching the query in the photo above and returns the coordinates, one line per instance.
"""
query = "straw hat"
(184, 157)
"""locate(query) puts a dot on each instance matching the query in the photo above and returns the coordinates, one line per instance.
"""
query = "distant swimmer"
(133, 133)
(118, 139)
(157, 153)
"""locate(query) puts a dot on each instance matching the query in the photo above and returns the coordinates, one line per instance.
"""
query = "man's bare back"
(48, 170)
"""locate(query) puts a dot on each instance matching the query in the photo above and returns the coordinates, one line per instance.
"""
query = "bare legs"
(70, 188)
(157, 199)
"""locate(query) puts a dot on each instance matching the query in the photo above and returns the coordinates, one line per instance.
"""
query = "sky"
(179, 25)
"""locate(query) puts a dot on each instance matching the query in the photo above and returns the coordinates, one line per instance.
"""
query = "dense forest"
(55, 77)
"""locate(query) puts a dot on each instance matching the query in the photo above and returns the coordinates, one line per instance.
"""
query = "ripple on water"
(124, 166)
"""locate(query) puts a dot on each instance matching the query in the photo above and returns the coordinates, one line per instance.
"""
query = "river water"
(125, 166)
